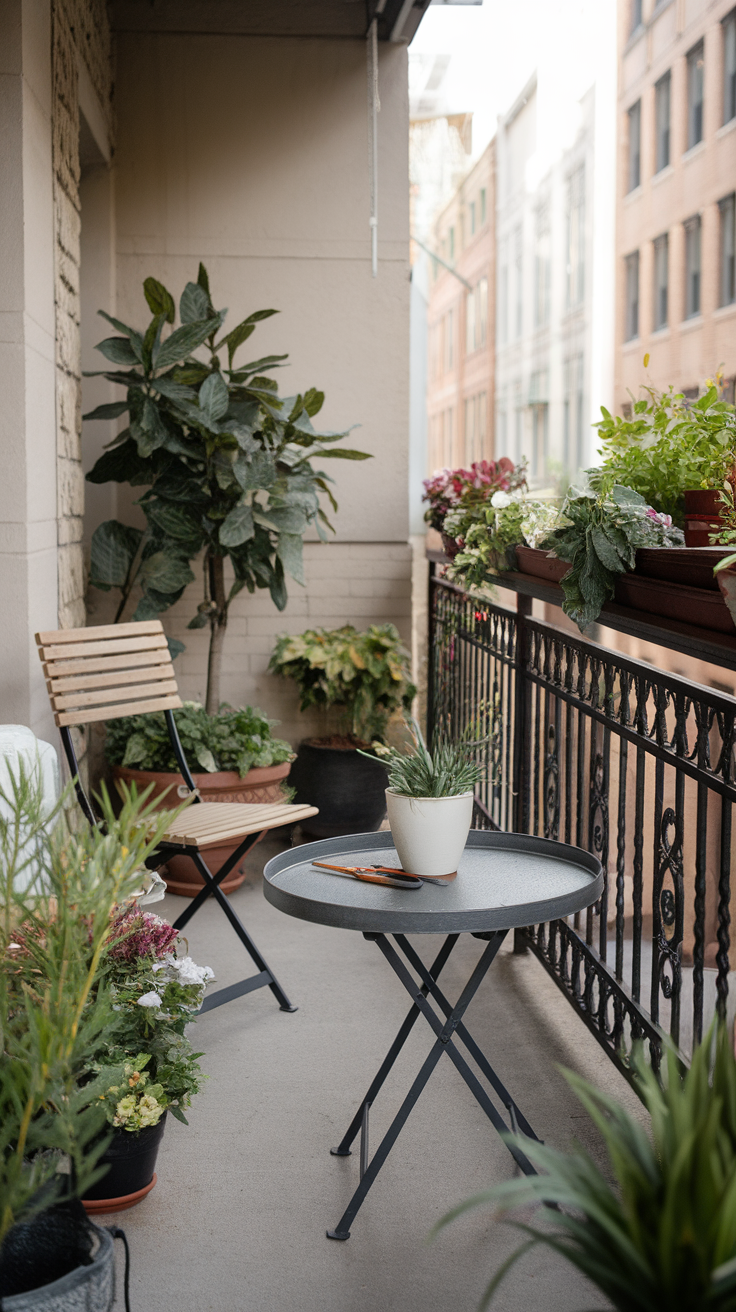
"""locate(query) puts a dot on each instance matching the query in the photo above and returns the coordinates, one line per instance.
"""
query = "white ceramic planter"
(429, 833)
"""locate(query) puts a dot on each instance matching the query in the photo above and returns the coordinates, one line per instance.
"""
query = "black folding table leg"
(343, 1150)
(444, 1035)
(212, 888)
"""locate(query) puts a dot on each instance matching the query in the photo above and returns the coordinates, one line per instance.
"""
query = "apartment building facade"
(554, 301)
(676, 195)
(460, 316)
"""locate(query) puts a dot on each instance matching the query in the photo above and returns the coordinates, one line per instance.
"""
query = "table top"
(504, 881)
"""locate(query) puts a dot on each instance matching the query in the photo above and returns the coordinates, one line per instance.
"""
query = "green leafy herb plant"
(366, 673)
(231, 740)
(228, 466)
(667, 446)
(657, 1228)
(599, 537)
(489, 534)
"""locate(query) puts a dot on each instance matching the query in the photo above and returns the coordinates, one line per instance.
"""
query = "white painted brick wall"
(346, 583)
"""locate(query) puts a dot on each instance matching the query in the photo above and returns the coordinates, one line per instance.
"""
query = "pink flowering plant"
(450, 489)
(148, 1065)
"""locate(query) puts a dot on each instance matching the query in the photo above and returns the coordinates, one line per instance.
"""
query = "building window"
(518, 282)
(634, 16)
(634, 117)
(501, 430)
(727, 208)
(472, 218)
(470, 322)
(572, 414)
(631, 327)
(503, 292)
(452, 245)
(695, 71)
(475, 428)
(662, 121)
(575, 223)
(482, 206)
(540, 441)
(542, 267)
(482, 299)
(447, 436)
(729, 67)
(661, 281)
(692, 267)
(448, 353)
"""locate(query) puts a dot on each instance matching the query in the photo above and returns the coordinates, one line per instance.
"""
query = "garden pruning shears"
(391, 876)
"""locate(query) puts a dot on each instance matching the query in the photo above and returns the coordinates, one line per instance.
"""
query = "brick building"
(461, 337)
(676, 175)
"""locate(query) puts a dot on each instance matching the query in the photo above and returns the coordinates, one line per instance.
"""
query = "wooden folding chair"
(116, 670)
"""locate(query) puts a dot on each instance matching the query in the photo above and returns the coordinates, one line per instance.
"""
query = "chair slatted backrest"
(107, 672)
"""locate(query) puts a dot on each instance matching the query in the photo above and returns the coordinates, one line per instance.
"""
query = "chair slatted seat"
(112, 671)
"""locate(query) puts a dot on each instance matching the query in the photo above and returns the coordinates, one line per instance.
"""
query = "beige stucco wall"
(252, 155)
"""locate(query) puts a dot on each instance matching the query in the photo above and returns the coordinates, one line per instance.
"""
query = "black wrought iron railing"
(592, 747)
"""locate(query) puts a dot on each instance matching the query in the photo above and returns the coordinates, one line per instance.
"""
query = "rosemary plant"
(448, 770)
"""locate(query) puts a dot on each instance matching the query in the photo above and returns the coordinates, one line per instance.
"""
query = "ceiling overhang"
(396, 20)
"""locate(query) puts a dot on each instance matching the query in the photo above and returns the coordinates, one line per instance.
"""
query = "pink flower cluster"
(447, 487)
(138, 933)
(665, 521)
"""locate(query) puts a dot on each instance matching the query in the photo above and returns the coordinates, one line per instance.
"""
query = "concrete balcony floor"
(237, 1220)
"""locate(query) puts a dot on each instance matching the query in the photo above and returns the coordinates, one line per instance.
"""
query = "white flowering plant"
(490, 533)
(148, 1065)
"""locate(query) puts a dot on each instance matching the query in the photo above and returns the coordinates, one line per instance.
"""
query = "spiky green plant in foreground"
(664, 1236)
(57, 892)
(446, 771)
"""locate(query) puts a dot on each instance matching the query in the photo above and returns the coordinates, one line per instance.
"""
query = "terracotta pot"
(538, 563)
(692, 566)
(700, 606)
(452, 547)
(703, 515)
(258, 786)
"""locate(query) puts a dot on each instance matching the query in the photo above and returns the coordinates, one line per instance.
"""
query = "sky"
(495, 47)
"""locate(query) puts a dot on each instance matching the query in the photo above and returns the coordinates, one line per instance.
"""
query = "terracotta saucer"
(99, 1206)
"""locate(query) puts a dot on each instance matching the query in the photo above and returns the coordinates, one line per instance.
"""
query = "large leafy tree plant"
(226, 463)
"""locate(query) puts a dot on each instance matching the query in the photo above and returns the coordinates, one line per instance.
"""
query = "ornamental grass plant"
(447, 770)
(657, 1228)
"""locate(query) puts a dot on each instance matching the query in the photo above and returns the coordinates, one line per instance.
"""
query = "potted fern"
(430, 798)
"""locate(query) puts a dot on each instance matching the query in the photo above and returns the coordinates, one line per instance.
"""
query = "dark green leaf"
(152, 338)
(176, 392)
(238, 527)
(118, 465)
(203, 278)
(213, 399)
(175, 647)
(118, 349)
(344, 453)
(289, 551)
(313, 401)
(160, 301)
(133, 336)
(165, 572)
(173, 520)
(277, 586)
(113, 547)
(235, 338)
(199, 622)
(111, 411)
(182, 342)
(194, 305)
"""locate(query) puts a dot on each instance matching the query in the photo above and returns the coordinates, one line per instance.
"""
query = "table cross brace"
(445, 1030)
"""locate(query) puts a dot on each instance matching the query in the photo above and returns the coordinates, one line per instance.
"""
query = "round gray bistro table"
(504, 881)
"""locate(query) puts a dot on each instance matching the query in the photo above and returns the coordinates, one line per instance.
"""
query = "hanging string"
(374, 106)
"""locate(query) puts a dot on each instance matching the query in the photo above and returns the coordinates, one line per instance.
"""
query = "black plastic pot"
(131, 1157)
(348, 788)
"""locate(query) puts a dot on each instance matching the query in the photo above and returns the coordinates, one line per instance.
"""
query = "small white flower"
(189, 972)
(151, 999)
(500, 500)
